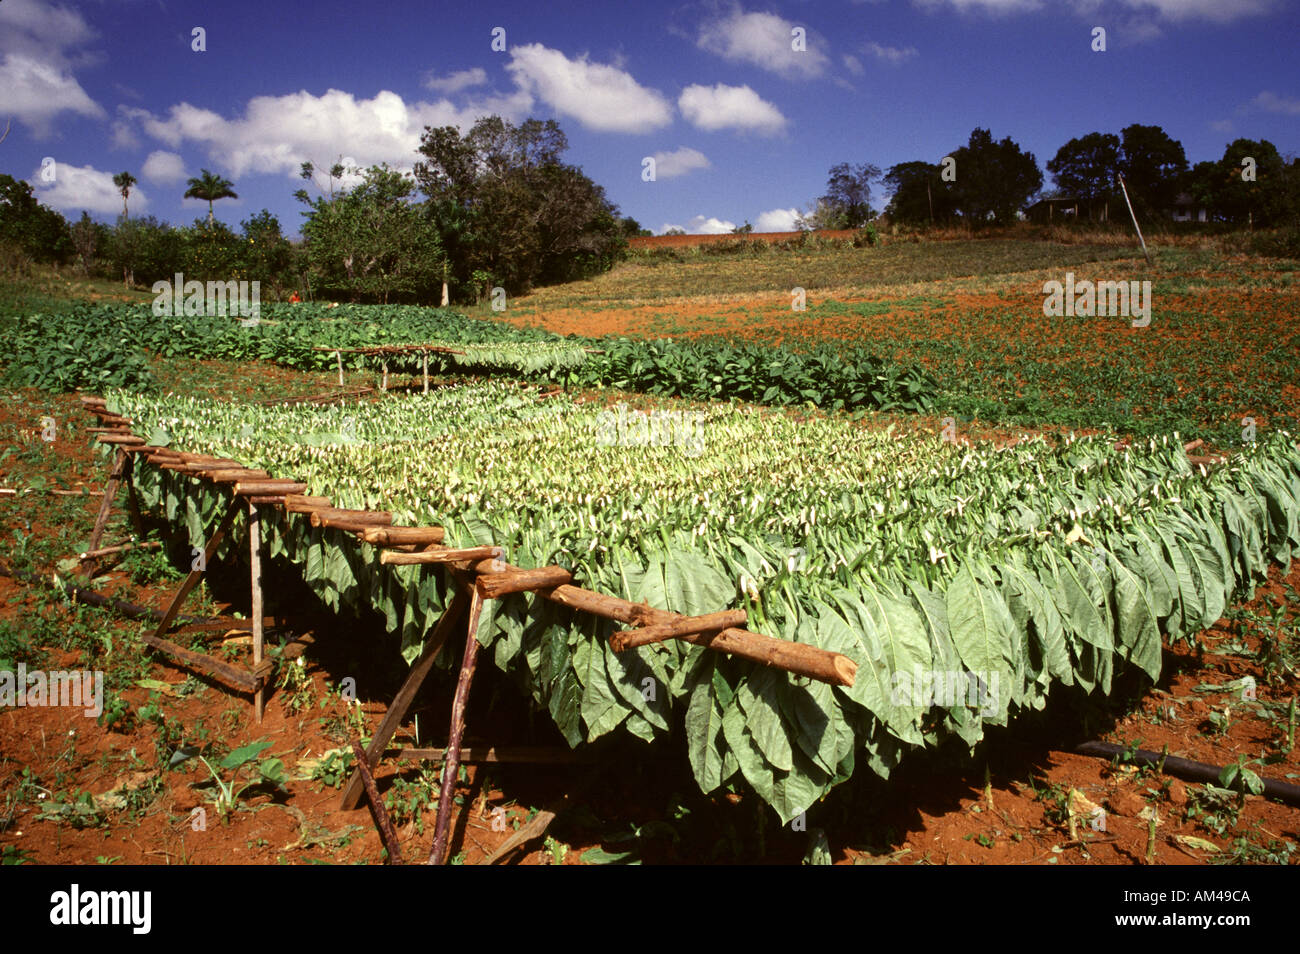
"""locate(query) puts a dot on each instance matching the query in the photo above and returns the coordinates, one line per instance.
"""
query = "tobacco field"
(1053, 562)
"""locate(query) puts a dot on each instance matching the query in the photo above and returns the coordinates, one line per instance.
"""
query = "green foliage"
(994, 179)
(37, 231)
(371, 242)
(1046, 564)
(84, 347)
(824, 376)
(504, 202)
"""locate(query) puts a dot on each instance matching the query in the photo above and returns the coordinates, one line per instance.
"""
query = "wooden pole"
(339, 356)
(798, 658)
(449, 555)
(442, 827)
(400, 536)
(1135, 219)
(106, 505)
(495, 585)
(192, 580)
(686, 626)
(255, 582)
(424, 361)
(377, 806)
(406, 695)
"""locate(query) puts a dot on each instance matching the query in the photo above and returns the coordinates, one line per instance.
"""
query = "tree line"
(989, 182)
(495, 206)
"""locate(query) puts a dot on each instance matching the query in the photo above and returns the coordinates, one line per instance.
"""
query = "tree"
(993, 179)
(88, 237)
(1085, 168)
(1260, 191)
(266, 254)
(372, 241)
(847, 202)
(919, 194)
(41, 233)
(210, 188)
(505, 204)
(1153, 165)
(147, 247)
(124, 181)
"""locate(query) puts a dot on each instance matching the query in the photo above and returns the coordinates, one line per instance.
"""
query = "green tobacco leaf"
(980, 624)
(245, 753)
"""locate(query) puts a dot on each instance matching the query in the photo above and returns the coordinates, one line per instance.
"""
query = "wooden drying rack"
(477, 573)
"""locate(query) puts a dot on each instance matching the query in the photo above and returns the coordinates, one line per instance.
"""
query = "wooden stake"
(192, 580)
(255, 580)
(406, 695)
(339, 356)
(120, 548)
(450, 768)
(424, 361)
(377, 806)
(1135, 220)
(106, 505)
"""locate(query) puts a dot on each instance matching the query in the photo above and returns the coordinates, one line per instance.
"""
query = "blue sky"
(742, 125)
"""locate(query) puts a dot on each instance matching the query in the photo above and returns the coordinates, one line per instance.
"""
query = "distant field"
(1223, 344)
(856, 270)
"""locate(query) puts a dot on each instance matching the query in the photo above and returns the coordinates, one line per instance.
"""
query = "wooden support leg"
(106, 506)
(377, 806)
(383, 383)
(442, 828)
(339, 356)
(133, 499)
(255, 575)
(424, 362)
(406, 695)
(192, 580)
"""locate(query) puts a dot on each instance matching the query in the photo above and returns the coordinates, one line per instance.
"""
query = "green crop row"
(98, 346)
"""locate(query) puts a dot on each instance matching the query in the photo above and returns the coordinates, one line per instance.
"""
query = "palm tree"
(210, 188)
(124, 181)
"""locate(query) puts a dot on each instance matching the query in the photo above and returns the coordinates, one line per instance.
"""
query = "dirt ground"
(83, 790)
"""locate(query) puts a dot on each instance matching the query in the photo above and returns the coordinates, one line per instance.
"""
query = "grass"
(859, 270)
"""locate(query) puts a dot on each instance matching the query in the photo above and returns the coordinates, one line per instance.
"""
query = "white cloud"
(892, 55)
(777, 220)
(598, 96)
(36, 92)
(701, 225)
(1218, 11)
(679, 162)
(1272, 103)
(729, 107)
(987, 6)
(36, 40)
(83, 187)
(277, 134)
(163, 167)
(1222, 125)
(765, 40)
(455, 82)
(853, 65)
